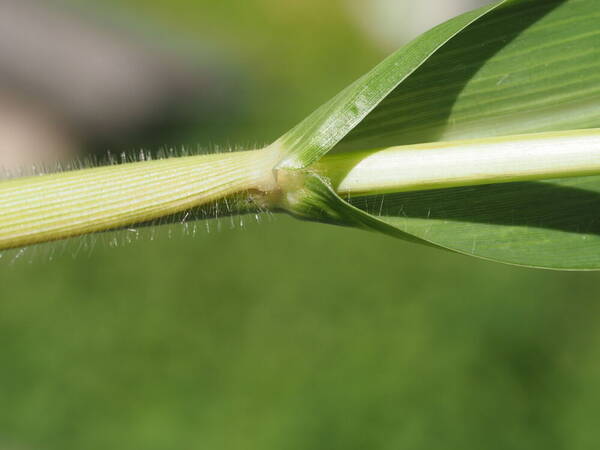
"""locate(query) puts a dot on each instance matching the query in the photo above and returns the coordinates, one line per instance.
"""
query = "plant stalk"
(462, 163)
(56, 206)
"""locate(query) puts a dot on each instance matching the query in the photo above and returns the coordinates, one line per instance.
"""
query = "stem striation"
(57, 206)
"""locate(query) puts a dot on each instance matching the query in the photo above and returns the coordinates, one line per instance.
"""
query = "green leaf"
(553, 224)
(323, 129)
(526, 66)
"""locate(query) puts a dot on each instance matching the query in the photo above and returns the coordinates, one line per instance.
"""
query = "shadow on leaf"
(563, 205)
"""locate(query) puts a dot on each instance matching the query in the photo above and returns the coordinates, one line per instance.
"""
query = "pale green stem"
(57, 206)
(463, 163)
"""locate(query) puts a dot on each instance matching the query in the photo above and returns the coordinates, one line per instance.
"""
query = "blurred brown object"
(30, 137)
(84, 81)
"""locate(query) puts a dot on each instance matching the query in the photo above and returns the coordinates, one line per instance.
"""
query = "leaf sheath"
(61, 205)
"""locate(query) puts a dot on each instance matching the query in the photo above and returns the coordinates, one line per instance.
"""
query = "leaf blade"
(323, 129)
(540, 71)
(490, 222)
(539, 74)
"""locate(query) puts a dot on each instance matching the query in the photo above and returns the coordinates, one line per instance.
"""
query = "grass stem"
(462, 163)
(56, 206)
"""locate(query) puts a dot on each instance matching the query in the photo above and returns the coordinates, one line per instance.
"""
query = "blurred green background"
(283, 334)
